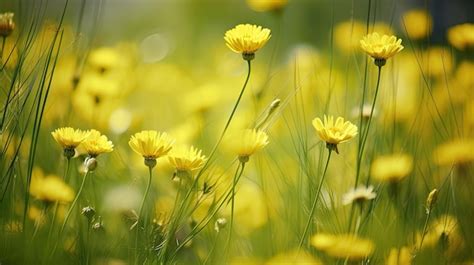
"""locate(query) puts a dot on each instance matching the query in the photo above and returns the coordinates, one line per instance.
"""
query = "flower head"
(247, 39)
(96, 144)
(392, 168)
(50, 188)
(187, 159)
(455, 152)
(343, 246)
(359, 195)
(6, 24)
(248, 142)
(417, 23)
(462, 36)
(266, 5)
(69, 139)
(151, 144)
(334, 133)
(381, 47)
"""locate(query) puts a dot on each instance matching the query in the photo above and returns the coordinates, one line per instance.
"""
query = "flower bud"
(6, 24)
(220, 224)
(90, 164)
(431, 200)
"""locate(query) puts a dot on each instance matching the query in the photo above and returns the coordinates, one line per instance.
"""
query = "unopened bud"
(6, 24)
(220, 224)
(88, 212)
(90, 164)
(431, 200)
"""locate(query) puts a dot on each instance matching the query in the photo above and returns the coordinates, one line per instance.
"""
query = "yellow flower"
(462, 36)
(347, 35)
(438, 61)
(359, 195)
(266, 5)
(381, 47)
(187, 159)
(334, 133)
(69, 139)
(455, 152)
(400, 256)
(50, 189)
(293, 257)
(96, 144)
(248, 142)
(343, 246)
(151, 145)
(418, 24)
(392, 168)
(6, 24)
(247, 39)
(444, 232)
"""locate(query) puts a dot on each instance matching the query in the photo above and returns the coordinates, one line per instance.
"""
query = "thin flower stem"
(315, 202)
(137, 227)
(425, 227)
(236, 178)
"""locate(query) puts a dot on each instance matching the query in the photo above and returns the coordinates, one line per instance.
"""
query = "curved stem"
(315, 202)
(137, 227)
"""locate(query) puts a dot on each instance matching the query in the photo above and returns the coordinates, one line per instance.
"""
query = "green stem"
(137, 227)
(315, 202)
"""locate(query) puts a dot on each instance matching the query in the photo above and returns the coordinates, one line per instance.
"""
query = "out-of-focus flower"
(96, 144)
(343, 246)
(334, 133)
(294, 257)
(400, 256)
(51, 189)
(359, 195)
(151, 145)
(347, 35)
(6, 24)
(186, 159)
(462, 36)
(439, 61)
(266, 5)
(247, 39)
(444, 233)
(381, 47)
(418, 24)
(69, 139)
(392, 168)
(455, 152)
(382, 28)
(247, 142)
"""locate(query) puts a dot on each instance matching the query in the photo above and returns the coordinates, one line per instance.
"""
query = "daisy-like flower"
(6, 24)
(343, 246)
(334, 133)
(51, 189)
(392, 168)
(462, 36)
(381, 47)
(151, 145)
(359, 195)
(248, 142)
(96, 144)
(69, 139)
(186, 160)
(247, 39)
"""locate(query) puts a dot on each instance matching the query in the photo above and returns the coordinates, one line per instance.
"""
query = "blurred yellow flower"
(439, 61)
(418, 23)
(334, 133)
(381, 47)
(347, 35)
(294, 257)
(96, 144)
(455, 152)
(343, 246)
(151, 144)
(359, 195)
(462, 36)
(247, 142)
(69, 139)
(186, 159)
(247, 39)
(444, 232)
(391, 168)
(266, 5)
(400, 256)
(50, 189)
(6, 24)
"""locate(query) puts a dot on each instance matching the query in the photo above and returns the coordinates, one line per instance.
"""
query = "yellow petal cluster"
(455, 152)
(246, 38)
(400, 256)
(381, 47)
(334, 132)
(96, 144)
(444, 232)
(343, 246)
(462, 36)
(151, 144)
(51, 189)
(391, 168)
(418, 23)
(266, 5)
(187, 159)
(248, 142)
(68, 137)
(293, 257)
